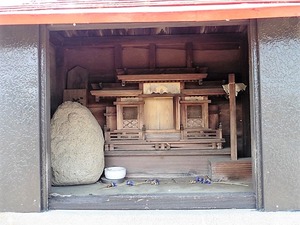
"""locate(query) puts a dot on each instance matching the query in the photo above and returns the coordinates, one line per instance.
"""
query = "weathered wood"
(187, 152)
(189, 55)
(162, 77)
(159, 114)
(201, 133)
(230, 169)
(129, 103)
(77, 78)
(115, 93)
(166, 201)
(232, 105)
(195, 102)
(158, 39)
(138, 25)
(164, 163)
(152, 56)
(98, 110)
(213, 116)
(176, 106)
(123, 135)
(138, 144)
(111, 118)
(168, 70)
(204, 91)
(118, 56)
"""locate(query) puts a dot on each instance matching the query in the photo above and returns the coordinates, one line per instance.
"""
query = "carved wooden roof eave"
(204, 92)
(149, 78)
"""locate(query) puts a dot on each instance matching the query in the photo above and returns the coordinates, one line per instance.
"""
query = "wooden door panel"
(159, 113)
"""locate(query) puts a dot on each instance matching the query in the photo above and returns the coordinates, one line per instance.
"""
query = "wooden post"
(232, 107)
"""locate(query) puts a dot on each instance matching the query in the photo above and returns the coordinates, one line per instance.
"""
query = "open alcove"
(173, 103)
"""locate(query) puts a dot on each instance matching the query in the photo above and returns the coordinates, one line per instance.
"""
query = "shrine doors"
(159, 113)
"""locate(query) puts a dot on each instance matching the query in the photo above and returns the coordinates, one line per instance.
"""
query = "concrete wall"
(20, 178)
(279, 74)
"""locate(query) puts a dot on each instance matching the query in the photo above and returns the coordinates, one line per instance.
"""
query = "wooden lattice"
(194, 122)
(130, 124)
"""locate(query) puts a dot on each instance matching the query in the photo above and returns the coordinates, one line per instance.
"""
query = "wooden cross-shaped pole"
(232, 108)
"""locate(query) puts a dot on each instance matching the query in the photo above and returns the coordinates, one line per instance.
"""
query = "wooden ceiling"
(79, 37)
(153, 31)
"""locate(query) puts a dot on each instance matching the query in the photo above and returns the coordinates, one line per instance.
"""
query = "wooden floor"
(175, 193)
(229, 200)
(175, 170)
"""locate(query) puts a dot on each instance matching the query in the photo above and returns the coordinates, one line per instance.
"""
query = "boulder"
(77, 142)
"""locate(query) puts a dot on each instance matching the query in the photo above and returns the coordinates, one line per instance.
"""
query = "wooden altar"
(160, 115)
(162, 121)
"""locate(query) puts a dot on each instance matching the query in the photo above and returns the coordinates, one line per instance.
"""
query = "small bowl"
(114, 173)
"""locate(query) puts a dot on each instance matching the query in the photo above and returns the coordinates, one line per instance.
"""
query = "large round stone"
(77, 142)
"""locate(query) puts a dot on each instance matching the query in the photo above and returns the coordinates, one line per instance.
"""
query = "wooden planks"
(230, 169)
(166, 201)
(204, 91)
(77, 78)
(164, 163)
(162, 77)
(159, 114)
(115, 93)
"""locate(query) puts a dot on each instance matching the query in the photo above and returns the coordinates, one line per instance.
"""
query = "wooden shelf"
(129, 103)
(162, 77)
(116, 93)
(204, 91)
(186, 152)
(195, 102)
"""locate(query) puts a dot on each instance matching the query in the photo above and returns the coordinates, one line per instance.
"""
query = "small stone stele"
(77, 142)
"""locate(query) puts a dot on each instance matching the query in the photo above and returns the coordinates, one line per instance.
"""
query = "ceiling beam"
(133, 25)
(110, 41)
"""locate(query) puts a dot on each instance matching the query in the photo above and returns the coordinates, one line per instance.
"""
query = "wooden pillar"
(177, 112)
(232, 107)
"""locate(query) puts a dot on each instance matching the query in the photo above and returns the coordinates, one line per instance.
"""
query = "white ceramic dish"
(114, 173)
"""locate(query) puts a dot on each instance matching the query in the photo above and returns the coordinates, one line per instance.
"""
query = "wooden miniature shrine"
(163, 118)
(160, 115)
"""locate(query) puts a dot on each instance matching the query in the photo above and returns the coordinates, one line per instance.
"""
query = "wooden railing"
(124, 135)
(190, 139)
(201, 133)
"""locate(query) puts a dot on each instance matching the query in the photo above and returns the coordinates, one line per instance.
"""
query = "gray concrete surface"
(111, 217)
(171, 186)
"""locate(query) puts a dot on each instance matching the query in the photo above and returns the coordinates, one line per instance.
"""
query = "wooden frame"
(185, 114)
(121, 105)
